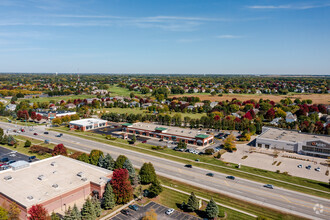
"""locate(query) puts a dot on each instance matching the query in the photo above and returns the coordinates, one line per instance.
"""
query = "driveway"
(160, 211)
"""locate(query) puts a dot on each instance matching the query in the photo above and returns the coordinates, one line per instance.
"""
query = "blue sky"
(172, 36)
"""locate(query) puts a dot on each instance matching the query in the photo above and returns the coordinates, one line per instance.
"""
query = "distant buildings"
(11, 107)
(88, 124)
(56, 183)
(294, 141)
(55, 114)
(189, 136)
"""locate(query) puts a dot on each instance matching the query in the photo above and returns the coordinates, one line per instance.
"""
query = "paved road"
(278, 198)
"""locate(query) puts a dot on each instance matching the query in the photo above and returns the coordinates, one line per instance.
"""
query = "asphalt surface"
(159, 210)
(300, 204)
(12, 155)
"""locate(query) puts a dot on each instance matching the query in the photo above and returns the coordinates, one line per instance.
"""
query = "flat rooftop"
(168, 129)
(49, 178)
(87, 121)
(291, 136)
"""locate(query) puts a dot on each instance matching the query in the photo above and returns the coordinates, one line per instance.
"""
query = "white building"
(88, 124)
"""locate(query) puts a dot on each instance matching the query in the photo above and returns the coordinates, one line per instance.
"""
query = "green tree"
(120, 161)
(13, 211)
(27, 143)
(87, 211)
(97, 206)
(155, 189)
(83, 157)
(192, 203)
(100, 161)
(108, 198)
(75, 213)
(133, 139)
(3, 213)
(147, 173)
(182, 145)
(108, 162)
(94, 156)
(212, 209)
(53, 216)
(131, 171)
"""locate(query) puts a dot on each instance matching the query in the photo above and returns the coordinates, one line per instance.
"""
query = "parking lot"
(12, 155)
(160, 211)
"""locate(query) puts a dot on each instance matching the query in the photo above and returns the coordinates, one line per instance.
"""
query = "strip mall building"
(56, 183)
(189, 136)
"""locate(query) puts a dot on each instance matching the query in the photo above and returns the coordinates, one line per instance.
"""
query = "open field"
(317, 98)
(59, 98)
(210, 163)
(115, 90)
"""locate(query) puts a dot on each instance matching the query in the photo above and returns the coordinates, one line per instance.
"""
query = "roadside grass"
(18, 122)
(59, 98)
(211, 163)
(171, 198)
(26, 150)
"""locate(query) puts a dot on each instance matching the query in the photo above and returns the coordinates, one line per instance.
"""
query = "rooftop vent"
(41, 177)
(84, 179)
(53, 164)
(54, 171)
(29, 197)
(55, 185)
(8, 177)
(80, 174)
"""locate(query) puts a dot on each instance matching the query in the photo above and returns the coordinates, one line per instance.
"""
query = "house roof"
(202, 136)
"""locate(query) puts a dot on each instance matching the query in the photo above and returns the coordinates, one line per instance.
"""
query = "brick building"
(189, 136)
(56, 183)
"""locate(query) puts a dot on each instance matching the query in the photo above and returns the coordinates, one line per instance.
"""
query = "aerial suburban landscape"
(149, 110)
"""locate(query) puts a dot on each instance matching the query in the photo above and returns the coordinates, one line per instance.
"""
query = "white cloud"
(290, 6)
(229, 36)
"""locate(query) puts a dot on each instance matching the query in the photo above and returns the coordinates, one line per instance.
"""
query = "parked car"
(31, 158)
(35, 133)
(47, 141)
(299, 166)
(188, 165)
(59, 135)
(4, 159)
(269, 186)
(134, 207)
(210, 174)
(169, 211)
(230, 177)
(11, 161)
(125, 212)
(197, 160)
(144, 141)
(22, 130)
(318, 169)
(46, 132)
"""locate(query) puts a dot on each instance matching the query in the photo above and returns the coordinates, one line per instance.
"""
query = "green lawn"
(115, 90)
(59, 98)
(211, 163)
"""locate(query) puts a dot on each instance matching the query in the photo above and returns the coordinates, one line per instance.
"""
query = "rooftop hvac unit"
(53, 164)
(41, 177)
(55, 185)
(80, 174)
(84, 179)
(29, 197)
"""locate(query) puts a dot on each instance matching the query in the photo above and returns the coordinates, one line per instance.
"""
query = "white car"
(318, 169)
(169, 211)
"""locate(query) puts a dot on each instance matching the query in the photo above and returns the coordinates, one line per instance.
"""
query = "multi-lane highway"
(278, 198)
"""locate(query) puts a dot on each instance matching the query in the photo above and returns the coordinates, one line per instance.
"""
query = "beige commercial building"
(56, 183)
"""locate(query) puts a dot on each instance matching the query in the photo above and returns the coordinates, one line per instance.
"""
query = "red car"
(22, 130)
(144, 142)
(35, 134)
